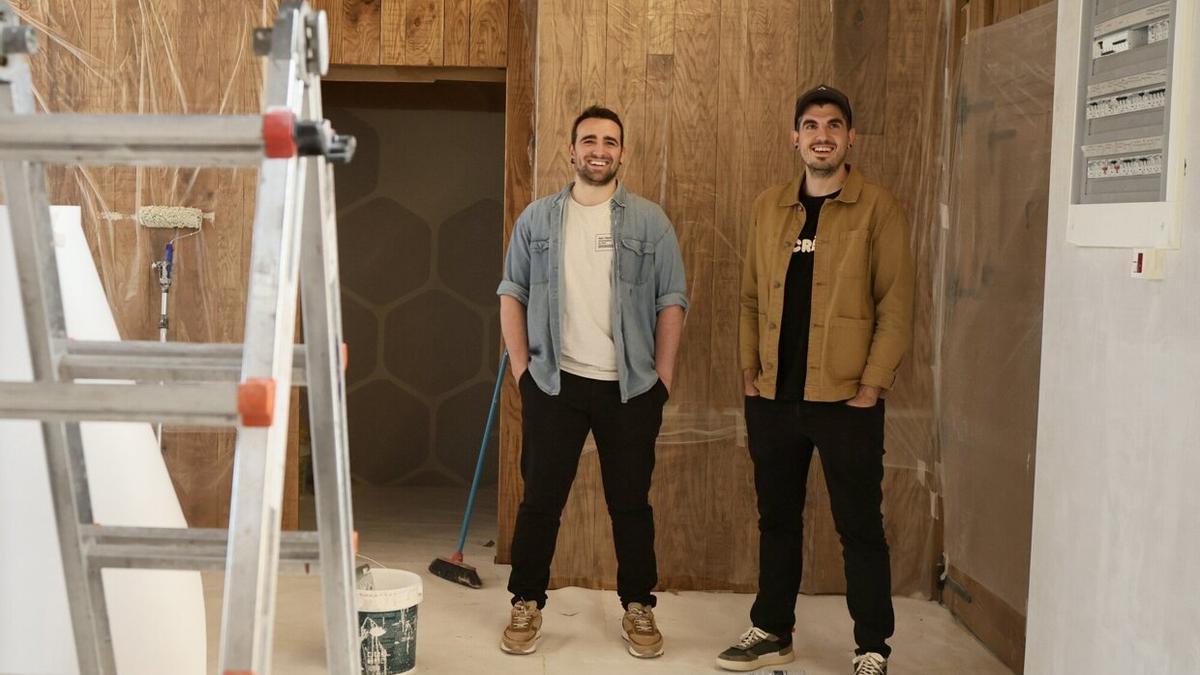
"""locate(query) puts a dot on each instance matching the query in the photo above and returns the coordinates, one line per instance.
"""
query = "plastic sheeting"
(993, 270)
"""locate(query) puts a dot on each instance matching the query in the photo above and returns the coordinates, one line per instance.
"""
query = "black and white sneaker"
(756, 648)
(870, 664)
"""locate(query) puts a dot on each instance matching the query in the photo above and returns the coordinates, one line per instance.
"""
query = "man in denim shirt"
(591, 307)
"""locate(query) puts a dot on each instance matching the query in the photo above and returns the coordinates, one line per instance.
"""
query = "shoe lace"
(869, 664)
(752, 637)
(522, 616)
(643, 620)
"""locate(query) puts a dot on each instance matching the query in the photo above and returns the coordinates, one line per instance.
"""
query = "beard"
(597, 177)
(825, 166)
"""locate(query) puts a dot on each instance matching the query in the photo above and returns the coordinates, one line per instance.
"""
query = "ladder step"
(185, 549)
(146, 361)
(199, 404)
(144, 140)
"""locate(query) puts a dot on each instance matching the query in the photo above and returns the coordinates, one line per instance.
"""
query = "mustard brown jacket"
(862, 291)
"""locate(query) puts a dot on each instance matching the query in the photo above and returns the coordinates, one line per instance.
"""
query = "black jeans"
(782, 435)
(554, 430)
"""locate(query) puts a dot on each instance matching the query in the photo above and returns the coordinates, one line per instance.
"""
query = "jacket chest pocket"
(636, 260)
(852, 253)
(539, 261)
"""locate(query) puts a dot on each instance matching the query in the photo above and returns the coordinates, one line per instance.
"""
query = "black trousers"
(782, 435)
(554, 430)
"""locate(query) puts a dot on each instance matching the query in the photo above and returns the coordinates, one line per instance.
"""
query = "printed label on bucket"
(388, 641)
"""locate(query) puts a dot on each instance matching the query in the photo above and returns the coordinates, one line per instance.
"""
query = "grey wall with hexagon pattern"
(420, 224)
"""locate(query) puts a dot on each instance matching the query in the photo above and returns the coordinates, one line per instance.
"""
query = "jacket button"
(773, 326)
(777, 284)
(769, 364)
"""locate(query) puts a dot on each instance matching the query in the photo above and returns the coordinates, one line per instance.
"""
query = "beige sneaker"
(640, 631)
(524, 628)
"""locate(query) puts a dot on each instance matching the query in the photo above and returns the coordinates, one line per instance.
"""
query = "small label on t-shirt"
(604, 242)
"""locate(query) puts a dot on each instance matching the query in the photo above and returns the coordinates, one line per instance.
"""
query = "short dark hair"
(597, 112)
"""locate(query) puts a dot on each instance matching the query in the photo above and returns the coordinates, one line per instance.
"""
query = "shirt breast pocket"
(539, 261)
(637, 260)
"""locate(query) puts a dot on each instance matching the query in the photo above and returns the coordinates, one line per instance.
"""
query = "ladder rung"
(200, 403)
(147, 361)
(151, 140)
(185, 549)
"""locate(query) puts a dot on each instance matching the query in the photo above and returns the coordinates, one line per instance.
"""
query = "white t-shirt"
(587, 337)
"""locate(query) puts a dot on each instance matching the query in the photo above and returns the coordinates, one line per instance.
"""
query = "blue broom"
(453, 568)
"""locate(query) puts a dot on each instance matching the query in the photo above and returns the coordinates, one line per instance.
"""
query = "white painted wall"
(1115, 574)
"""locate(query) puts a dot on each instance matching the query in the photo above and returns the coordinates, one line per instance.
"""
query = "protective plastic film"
(994, 268)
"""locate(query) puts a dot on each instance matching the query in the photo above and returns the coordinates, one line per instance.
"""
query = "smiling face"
(596, 152)
(823, 138)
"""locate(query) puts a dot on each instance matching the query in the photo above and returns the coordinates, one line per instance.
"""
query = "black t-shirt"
(797, 304)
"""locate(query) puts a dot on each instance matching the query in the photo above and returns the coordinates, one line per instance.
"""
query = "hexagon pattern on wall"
(433, 342)
(467, 246)
(359, 178)
(360, 329)
(392, 436)
(419, 306)
(459, 428)
(383, 250)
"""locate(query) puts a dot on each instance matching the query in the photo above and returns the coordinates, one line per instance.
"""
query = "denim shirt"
(647, 277)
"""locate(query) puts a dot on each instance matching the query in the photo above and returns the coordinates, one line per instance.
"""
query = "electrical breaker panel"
(1126, 90)
(1126, 95)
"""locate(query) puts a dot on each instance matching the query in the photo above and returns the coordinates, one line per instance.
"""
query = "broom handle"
(487, 432)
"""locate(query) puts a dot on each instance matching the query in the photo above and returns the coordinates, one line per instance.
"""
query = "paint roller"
(175, 218)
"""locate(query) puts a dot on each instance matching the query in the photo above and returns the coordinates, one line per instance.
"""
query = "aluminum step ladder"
(240, 385)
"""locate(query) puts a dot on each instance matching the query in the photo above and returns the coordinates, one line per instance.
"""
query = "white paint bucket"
(387, 620)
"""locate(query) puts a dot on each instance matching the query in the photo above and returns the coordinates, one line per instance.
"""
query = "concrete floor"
(459, 628)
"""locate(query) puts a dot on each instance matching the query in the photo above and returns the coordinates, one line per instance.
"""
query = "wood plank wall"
(706, 89)
(168, 56)
(461, 33)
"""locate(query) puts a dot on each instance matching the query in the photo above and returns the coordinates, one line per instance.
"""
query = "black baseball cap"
(823, 93)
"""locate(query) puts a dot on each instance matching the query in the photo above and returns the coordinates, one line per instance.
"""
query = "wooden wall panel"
(519, 153)
(422, 33)
(691, 188)
(489, 34)
(860, 49)
(455, 33)
(656, 134)
(126, 56)
(391, 46)
(456, 38)
(558, 61)
(625, 57)
(360, 25)
(660, 26)
(1005, 9)
(594, 33)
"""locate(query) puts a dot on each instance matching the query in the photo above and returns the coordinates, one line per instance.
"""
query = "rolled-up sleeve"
(671, 281)
(515, 281)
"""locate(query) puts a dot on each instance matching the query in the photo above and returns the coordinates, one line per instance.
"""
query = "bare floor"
(459, 628)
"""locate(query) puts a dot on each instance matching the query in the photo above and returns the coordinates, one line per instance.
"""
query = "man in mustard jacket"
(826, 316)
